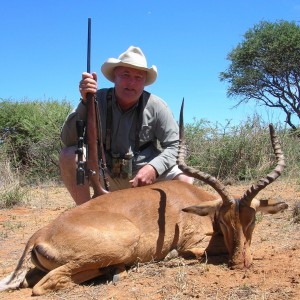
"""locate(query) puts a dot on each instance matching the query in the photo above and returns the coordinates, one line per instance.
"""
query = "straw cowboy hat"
(133, 57)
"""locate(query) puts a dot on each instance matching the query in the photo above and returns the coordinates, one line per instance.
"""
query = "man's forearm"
(166, 159)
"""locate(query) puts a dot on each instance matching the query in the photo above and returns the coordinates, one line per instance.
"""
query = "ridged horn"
(208, 179)
(272, 176)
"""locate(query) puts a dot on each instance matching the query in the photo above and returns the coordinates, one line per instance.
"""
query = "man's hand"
(146, 175)
(88, 84)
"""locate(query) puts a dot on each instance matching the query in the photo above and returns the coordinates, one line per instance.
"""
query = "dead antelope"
(117, 230)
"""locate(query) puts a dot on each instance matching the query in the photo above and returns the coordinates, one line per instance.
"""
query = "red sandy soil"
(275, 273)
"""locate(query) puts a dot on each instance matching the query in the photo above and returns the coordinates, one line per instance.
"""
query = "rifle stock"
(93, 143)
(92, 163)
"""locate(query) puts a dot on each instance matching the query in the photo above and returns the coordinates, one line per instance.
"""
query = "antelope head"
(235, 216)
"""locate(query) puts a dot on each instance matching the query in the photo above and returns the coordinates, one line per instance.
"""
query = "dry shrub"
(11, 192)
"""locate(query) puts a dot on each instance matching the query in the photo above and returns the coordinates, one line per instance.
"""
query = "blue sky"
(43, 47)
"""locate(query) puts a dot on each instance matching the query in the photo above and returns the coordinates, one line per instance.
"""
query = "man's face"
(129, 85)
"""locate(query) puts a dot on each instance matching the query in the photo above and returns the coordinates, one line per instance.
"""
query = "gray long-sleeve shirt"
(157, 124)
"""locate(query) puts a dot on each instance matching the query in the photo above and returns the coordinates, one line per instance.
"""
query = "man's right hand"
(145, 176)
(88, 84)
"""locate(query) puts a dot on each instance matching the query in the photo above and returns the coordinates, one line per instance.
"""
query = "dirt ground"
(275, 273)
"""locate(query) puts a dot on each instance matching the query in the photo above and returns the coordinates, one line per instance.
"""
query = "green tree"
(265, 67)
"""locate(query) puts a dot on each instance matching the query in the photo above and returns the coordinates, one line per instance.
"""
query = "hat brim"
(108, 67)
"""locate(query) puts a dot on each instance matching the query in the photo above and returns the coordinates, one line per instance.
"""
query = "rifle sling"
(101, 153)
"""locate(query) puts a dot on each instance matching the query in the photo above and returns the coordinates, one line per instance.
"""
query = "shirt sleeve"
(167, 133)
(68, 131)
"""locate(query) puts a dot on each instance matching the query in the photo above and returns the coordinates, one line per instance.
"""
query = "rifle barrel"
(88, 65)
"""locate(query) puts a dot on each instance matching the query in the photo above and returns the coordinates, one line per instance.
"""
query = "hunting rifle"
(91, 134)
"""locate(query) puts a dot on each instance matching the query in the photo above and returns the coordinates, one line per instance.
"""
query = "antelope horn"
(208, 179)
(272, 176)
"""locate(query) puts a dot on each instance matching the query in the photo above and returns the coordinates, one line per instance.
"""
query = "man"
(133, 121)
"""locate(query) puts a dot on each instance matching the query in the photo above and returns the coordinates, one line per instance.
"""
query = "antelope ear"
(271, 206)
(205, 208)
